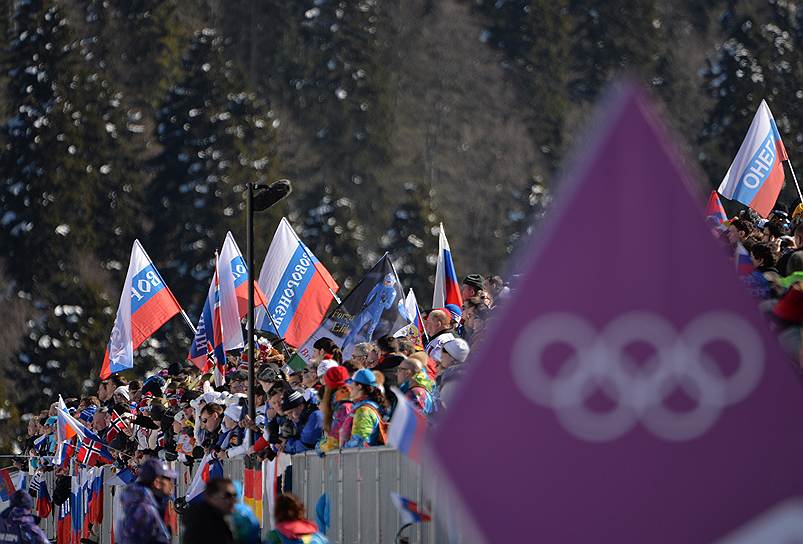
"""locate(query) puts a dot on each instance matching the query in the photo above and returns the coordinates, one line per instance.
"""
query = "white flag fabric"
(756, 175)
(230, 276)
(447, 287)
(298, 288)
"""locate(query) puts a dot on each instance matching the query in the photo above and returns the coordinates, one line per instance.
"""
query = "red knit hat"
(335, 377)
(790, 307)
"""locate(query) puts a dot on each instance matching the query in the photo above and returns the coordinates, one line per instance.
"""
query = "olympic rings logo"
(599, 363)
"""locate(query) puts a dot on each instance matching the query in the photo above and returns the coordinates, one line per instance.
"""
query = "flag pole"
(188, 322)
(284, 344)
(794, 178)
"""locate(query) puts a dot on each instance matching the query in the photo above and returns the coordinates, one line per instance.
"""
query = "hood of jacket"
(297, 528)
(136, 493)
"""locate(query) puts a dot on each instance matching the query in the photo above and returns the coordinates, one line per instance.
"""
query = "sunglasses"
(228, 495)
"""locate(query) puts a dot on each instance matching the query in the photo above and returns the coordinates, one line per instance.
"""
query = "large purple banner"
(629, 391)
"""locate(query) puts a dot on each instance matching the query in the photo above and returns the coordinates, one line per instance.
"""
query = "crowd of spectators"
(774, 273)
(179, 414)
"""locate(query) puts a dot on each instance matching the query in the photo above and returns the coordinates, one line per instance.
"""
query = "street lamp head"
(266, 196)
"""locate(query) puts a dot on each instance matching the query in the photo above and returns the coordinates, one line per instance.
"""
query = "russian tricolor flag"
(146, 304)
(234, 281)
(410, 513)
(447, 286)
(297, 286)
(6, 485)
(44, 504)
(756, 175)
(407, 427)
(414, 312)
(714, 209)
(64, 524)
(209, 335)
(219, 328)
(67, 427)
(744, 264)
(209, 468)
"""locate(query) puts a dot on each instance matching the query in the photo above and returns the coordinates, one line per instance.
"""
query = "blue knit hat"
(88, 413)
(364, 377)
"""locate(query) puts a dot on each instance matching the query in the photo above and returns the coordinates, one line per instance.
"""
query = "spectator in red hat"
(335, 408)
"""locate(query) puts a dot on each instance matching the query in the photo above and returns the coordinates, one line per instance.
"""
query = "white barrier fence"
(357, 483)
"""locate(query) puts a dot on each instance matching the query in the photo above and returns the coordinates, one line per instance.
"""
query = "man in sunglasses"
(205, 521)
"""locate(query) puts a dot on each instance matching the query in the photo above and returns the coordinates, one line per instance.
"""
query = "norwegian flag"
(92, 453)
(210, 337)
(117, 426)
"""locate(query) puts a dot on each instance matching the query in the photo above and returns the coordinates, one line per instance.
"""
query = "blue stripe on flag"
(144, 285)
(239, 270)
(289, 292)
(757, 170)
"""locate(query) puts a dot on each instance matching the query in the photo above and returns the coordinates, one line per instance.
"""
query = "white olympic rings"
(599, 363)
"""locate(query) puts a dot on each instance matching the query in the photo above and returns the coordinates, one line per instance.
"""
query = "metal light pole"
(249, 255)
(267, 196)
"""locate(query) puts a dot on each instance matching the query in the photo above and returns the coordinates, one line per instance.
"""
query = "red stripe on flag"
(767, 195)
(153, 314)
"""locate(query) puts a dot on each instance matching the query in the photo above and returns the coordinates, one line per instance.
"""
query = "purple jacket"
(18, 525)
(142, 521)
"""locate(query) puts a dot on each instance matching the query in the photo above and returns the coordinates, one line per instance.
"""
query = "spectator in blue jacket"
(307, 420)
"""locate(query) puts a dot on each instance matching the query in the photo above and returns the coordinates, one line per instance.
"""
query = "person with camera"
(307, 423)
(276, 425)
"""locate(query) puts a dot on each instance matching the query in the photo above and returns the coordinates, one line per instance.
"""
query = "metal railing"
(358, 484)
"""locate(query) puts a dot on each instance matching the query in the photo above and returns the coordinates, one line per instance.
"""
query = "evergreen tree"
(64, 199)
(535, 38)
(411, 240)
(215, 137)
(331, 228)
(611, 38)
(758, 59)
(342, 93)
(138, 43)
